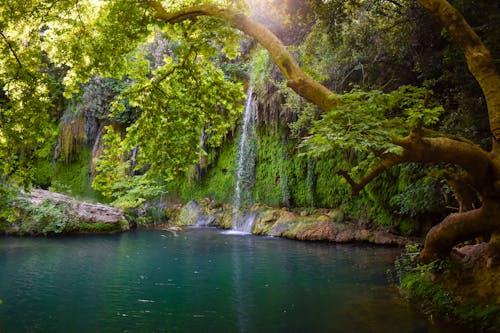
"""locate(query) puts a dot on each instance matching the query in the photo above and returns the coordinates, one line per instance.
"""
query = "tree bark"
(460, 227)
(479, 59)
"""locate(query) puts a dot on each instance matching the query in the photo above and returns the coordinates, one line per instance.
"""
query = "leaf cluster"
(368, 121)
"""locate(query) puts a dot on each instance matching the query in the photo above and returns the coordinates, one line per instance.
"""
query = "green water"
(199, 281)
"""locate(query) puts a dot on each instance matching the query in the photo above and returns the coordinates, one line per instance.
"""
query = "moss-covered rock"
(323, 225)
(45, 212)
(190, 214)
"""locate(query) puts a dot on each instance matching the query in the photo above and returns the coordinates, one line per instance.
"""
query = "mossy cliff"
(403, 199)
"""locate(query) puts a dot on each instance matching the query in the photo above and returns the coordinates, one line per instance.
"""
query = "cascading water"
(245, 172)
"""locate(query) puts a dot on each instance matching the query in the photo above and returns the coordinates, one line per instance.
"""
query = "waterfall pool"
(200, 281)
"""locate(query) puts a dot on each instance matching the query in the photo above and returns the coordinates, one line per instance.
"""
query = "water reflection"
(200, 281)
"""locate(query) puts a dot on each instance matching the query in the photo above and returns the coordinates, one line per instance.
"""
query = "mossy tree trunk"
(482, 168)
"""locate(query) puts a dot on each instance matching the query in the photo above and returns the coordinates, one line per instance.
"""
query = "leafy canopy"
(368, 121)
(43, 43)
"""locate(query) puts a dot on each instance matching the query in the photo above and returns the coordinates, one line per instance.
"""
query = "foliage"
(420, 193)
(85, 39)
(367, 122)
(218, 183)
(71, 179)
(416, 281)
(187, 94)
(133, 191)
(48, 217)
(386, 44)
(8, 194)
(284, 177)
(116, 180)
(272, 180)
(259, 67)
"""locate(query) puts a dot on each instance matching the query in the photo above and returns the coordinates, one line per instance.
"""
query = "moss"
(68, 178)
(438, 301)
(100, 227)
(441, 290)
(286, 178)
(271, 170)
(52, 217)
(219, 181)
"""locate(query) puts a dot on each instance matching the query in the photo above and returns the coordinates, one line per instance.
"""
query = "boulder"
(80, 216)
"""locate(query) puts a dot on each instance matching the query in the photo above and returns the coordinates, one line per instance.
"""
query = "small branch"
(354, 186)
(386, 163)
(11, 49)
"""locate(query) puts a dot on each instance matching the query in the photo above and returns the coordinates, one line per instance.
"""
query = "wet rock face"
(325, 227)
(85, 212)
(191, 214)
(321, 225)
(328, 225)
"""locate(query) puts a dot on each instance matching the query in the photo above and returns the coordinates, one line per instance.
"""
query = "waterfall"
(133, 160)
(245, 172)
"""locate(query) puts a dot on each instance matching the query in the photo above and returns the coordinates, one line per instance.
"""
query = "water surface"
(200, 281)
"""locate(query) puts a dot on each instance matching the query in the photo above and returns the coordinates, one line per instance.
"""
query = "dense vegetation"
(371, 107)
(134, 111)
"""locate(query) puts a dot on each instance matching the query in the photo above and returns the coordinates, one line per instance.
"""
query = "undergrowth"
(418, 282)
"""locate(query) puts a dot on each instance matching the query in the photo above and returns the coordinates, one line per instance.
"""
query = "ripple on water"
(204, 281)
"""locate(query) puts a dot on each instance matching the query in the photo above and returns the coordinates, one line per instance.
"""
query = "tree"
(88, 38)
(481, 168)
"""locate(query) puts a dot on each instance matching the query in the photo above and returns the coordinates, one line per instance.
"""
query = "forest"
(358, 121)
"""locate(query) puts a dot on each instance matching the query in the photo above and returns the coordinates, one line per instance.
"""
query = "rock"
(337, 215)
(279, 230)
(89, 216)
(320, 230)
(268, 216)
(325, 225)
(472, 277)
(190, 214)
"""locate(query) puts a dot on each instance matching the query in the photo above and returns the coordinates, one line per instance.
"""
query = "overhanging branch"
(477, 55)
(474, 160)
(297, 80)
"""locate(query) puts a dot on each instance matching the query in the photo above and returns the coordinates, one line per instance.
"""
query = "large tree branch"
(299, 81)
(474, 160)
(479, 59)
(461, 227)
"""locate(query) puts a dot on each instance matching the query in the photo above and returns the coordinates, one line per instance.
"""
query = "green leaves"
(368, 122)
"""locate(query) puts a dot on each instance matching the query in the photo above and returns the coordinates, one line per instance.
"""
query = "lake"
(199, 281)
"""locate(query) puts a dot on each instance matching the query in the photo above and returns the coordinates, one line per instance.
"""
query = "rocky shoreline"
(43, 213)
(306, 225)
